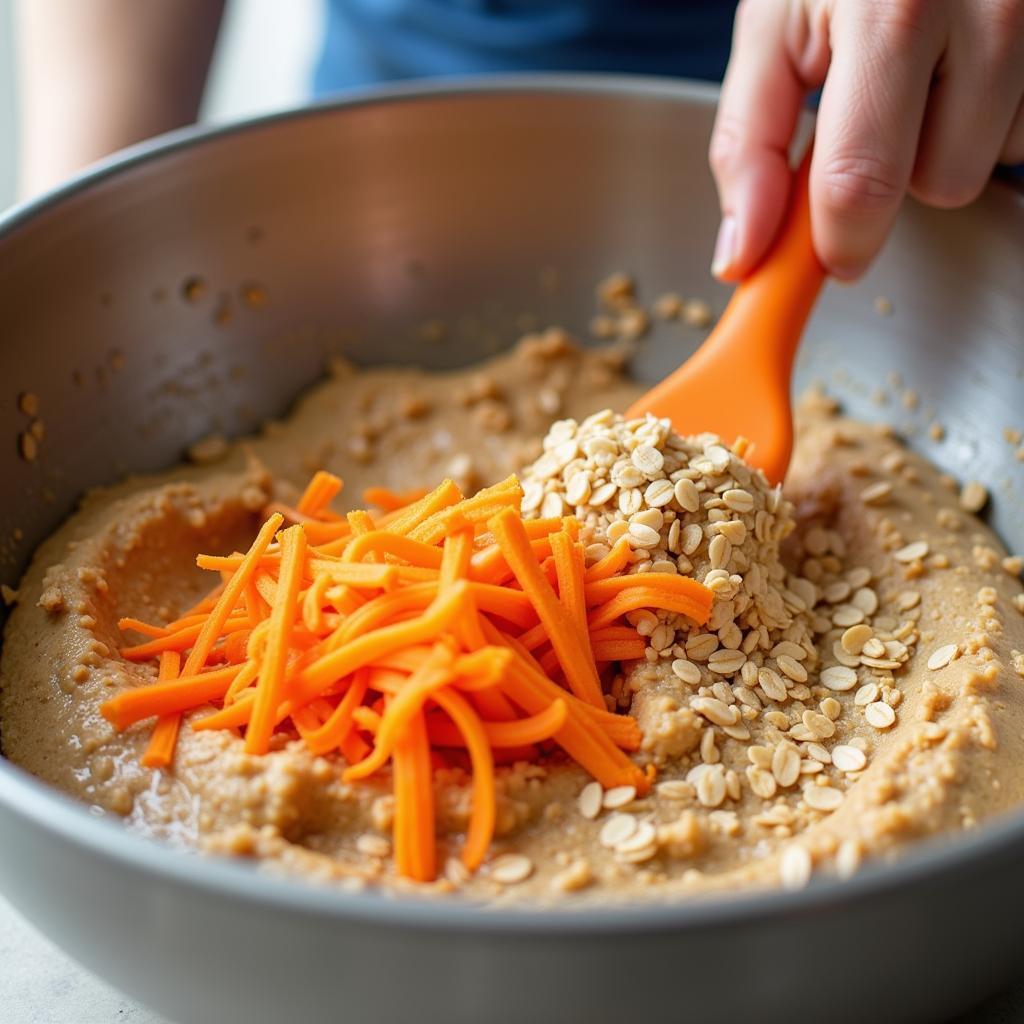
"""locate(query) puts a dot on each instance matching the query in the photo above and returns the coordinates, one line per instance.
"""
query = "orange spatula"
(737, 383)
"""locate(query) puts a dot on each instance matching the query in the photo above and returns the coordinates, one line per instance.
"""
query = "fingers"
(869, 120)
(972, 109)
(760, 102)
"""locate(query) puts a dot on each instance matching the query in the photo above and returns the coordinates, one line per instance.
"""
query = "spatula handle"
(776, 298)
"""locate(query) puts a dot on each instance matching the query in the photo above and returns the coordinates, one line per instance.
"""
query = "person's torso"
(374, 40)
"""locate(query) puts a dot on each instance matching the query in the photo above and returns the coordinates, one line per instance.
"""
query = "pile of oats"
(686, 505)
(754, 699)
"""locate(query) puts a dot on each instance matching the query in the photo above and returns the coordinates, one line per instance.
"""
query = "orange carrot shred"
(319, 493)
(672, 584)
(374, 543)
(138, 626)
(578, 667)
(443, 496)
(163, 698)
(484, 805)
(569, 568)
(160, 751)
(514, 733)
(230, 596)
(613, 563)
(445, 631)
(391, 501)
(332, 732)
(433, 674)
(458, 550)
(271, 678)
(415, 849)
(478, 509)
(618, 650)
(361, 651)
(644, 597)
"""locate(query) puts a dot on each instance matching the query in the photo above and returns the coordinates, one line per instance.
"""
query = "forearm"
(97, 75)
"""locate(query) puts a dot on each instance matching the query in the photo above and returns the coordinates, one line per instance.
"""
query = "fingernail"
(845, 275)
(725, 246)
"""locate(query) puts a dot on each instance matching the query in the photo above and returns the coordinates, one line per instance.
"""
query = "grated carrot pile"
(440, 630)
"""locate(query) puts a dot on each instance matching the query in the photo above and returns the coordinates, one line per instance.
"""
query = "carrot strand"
(162, 698)
(578, 667)
(484, 803)
(319, 493)
(160, 751)
(271, 678)
(445, 631)
(229, 598)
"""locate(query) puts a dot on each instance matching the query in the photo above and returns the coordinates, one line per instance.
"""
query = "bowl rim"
(562, 83)
(65, 819)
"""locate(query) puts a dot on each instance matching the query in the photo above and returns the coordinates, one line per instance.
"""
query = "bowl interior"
(200, 283)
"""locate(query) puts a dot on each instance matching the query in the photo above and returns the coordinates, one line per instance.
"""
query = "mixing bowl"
(197, 284)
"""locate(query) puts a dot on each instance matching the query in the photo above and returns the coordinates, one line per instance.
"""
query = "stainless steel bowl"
(132, 307)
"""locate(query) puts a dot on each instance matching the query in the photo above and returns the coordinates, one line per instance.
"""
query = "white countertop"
(40, 985)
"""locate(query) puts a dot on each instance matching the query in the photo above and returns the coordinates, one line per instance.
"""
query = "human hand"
(918, 96)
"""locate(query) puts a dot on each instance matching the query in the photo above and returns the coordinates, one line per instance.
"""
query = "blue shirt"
(378, 40)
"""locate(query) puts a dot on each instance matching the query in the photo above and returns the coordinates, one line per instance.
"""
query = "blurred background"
(263, 62)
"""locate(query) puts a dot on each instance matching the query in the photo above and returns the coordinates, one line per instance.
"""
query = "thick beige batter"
(719, 818)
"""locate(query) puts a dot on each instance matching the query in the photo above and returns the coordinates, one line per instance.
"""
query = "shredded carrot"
(180, 694)
(484, 806)
(361, 522)
(317, 530)
(282, 614)
(201, 607)
(241, 682)
(180, 640)
(332, 732)
(383, 542)
(415, 847)
(444, 627)
(457, 551)
(667, 583)
(381, 610)
(489, 565)
(319, 493)
(638, 597)
(456, 555)
(565, 637)
(432, 675)
(443, 496)
(229, 598)
(613, 563)
(478, 509)
(236, 646)
(365, 649)
(517, 733)
(138, 626)
(367, 719)
(618, 650)
(160, 751)
(313, 603)
(569, 569)
(255, 607)
(391, 501)
(579, 737)
(356, 574)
